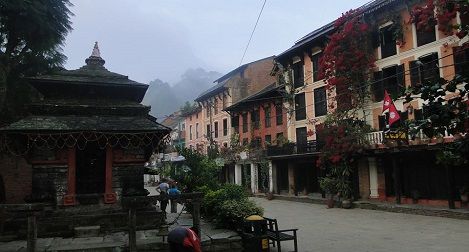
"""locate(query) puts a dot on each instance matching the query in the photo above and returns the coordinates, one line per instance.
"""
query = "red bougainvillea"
(423, 16)
(347, 58)
(441, 12)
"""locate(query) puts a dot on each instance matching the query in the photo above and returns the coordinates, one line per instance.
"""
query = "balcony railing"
(377, 137)
(292, 148)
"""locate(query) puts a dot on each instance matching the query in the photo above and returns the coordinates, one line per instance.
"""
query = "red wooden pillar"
(109, 194)
(69, 198)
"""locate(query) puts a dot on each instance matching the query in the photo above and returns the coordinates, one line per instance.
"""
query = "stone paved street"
(322, 229)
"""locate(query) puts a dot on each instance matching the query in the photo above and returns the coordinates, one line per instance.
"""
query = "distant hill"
(165, 99)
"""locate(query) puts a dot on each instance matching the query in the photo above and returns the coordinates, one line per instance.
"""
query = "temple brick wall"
(50, 181)
(125, 176)
(16, 173)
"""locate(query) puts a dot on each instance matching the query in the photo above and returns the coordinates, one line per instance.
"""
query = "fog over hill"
(165, 98)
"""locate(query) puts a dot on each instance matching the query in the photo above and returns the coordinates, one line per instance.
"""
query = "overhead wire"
(252, 33)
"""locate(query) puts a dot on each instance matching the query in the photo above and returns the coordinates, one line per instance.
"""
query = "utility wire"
(252, 33)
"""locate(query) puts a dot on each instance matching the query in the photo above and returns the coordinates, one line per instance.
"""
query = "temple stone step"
(89, 247)
(88, 231)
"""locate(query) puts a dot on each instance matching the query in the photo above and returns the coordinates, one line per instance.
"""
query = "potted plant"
(328, 185)
(464, 193)
(269, 195)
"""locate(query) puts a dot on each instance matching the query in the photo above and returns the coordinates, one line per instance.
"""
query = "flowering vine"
(347, 58)
(441, 12)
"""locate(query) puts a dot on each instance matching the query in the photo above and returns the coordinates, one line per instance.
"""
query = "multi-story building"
(426, 54)
(177, 125)
(210, 125)
(259, 121)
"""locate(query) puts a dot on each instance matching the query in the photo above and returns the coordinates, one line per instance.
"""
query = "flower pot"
(346, 204)
(330, 200)
(269, 195)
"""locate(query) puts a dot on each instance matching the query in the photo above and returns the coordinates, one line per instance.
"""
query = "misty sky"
(149, 39)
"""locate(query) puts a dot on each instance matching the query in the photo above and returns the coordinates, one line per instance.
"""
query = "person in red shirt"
(183, 239)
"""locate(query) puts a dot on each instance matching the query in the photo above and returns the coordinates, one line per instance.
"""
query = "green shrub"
(228, 205)
(232, 212)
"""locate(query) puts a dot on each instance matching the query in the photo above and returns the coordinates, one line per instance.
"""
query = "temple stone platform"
(62, 222)
(147, 240)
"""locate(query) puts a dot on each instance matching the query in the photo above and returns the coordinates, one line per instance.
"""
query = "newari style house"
(209, 125)
(259, 120)
(406, 56)
(84, 143)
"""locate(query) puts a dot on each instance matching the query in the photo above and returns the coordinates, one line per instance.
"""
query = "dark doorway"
(306, 178)
(91, 167)
(282, 177)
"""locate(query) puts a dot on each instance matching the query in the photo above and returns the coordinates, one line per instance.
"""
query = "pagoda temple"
(84, 142)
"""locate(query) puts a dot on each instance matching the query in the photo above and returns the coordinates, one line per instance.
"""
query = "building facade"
(210, 124)
(418, 55)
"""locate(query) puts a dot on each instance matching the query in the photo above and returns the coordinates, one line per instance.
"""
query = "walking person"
(183, 239)
(163, 189)
(173, 190)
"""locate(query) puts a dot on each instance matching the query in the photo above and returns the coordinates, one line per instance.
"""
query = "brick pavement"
(322, 229)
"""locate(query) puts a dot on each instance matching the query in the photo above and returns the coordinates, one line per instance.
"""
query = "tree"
(31, 36)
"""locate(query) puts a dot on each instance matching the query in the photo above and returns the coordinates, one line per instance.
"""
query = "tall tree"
(31, 35)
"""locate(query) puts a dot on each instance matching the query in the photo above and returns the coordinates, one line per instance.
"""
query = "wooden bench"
(276, 236)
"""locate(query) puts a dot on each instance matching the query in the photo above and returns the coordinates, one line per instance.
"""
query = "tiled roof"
(367, 8)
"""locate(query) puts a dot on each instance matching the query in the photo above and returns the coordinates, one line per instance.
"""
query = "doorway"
(91, 169)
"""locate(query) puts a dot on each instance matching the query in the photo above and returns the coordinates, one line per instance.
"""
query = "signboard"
(397, 135)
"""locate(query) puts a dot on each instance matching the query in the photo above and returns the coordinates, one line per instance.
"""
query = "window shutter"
(458, 57)
(435, 67)
(414, 73)
(375, 36)
(377, 86)
(382, 122)
(400, 78)
(418, 114)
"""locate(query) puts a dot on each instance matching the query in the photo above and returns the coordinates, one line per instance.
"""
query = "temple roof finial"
(95, 58)
(96, 52)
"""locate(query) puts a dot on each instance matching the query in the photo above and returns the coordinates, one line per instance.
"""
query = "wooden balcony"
(293, 148)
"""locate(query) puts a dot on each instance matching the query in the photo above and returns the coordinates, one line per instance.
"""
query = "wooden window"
(387, 42)
(391, 79)
(320, 101)
(425, 69)
(426, 36)
(245, 122)
(256, 142)
(208, 130)
(268, 139)
(279, 135)
(300, 107)
(197, 130)
(216, 129)
(215, 106)
(235, 123)
(317, 76)
(279, 114)
(190, 132)
(301, 138)
(298, 74)
(225, 127)
(255, 120)
(267, 115)
(461, 60)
